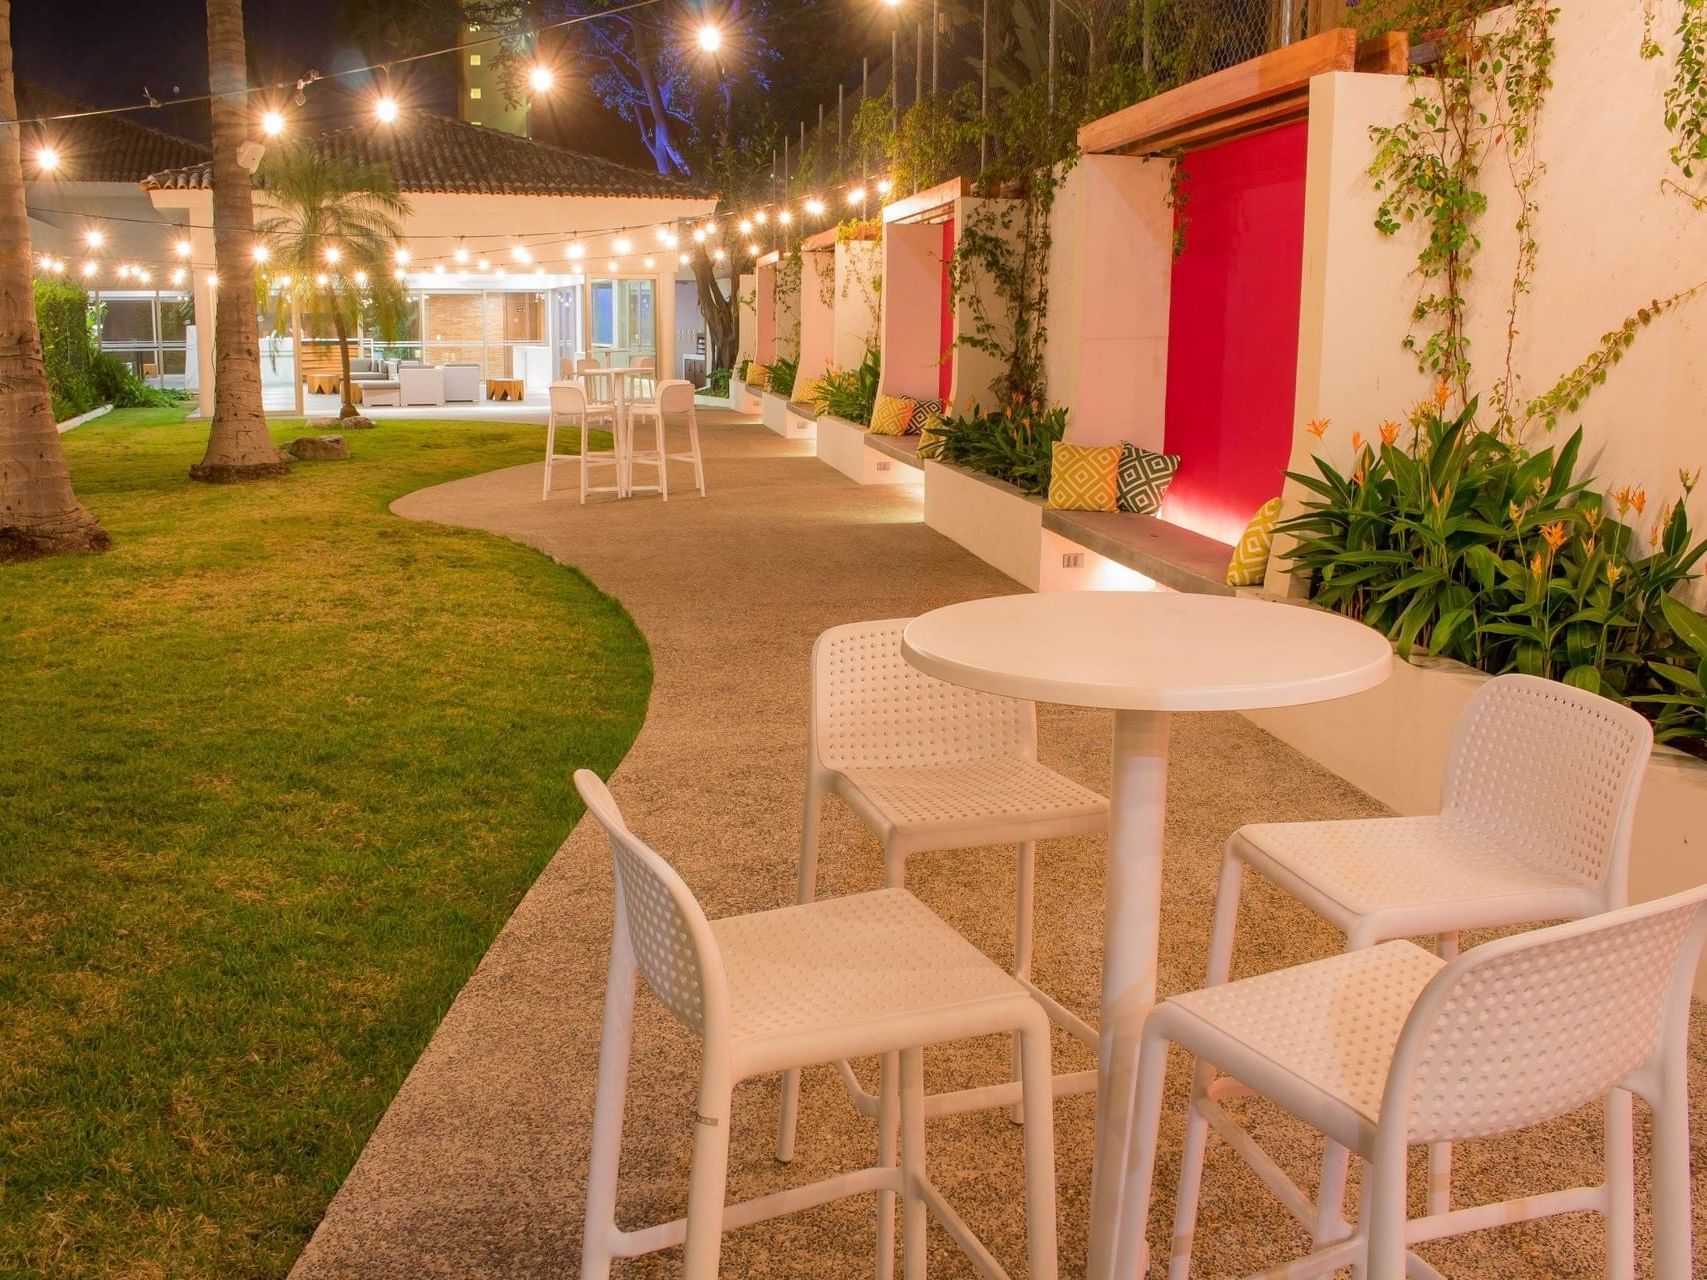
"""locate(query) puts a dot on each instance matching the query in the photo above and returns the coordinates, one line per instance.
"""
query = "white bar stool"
(1389, 1047)
(1536, 808)
(871, 974)
(927, 766)
(675, 396)
(569, 404)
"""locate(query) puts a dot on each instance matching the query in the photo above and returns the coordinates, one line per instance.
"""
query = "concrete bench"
(903, 449)
(1165, 553)
(776, 411)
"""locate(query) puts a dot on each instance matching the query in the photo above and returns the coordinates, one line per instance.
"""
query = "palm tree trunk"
(39, 514)
(347, 409)
(238, 447)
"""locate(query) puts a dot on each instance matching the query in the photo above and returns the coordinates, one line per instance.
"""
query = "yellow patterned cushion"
(892, 415)
(758, 375)
(1249, 565)
(805, 389)
(1083, 477)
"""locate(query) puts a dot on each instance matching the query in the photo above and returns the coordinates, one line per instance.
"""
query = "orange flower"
(1621, 499)
(1442, 393)
(1537, 565)
(1613, 573)
(1389, 431)
(1356, 441)
(1554, 534)
(1654, 537)
(1317, 427)
(1688, 480)
(1639, 500)
(1360, 475)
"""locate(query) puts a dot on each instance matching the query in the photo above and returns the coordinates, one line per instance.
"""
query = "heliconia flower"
(1688, 480)
(1621, 499)
(1356, 441)
(1613, 573)
(1317, 427)
(1538, 565)
(1553, 534)
(1639, 500)
(1360, 474)
(1389, 431)
(1442, 393)
(1654, 536)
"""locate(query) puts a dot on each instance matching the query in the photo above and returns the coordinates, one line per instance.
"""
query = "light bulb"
(699, 235)
(333, 253)
(683, 259)
(815, 207)
(539, 79)
(785, 217)
(661, 235)
(401, 273)
(284, 281)
(761, 217)
(94, 239)
(261, 252)
(361, 279)
(611, 265)
(710, 38)
(883, 186)
(89, 269)
(483, 265)
(386, 109)
(178, 275)
(647, 263)
(212, 280)
(520, 253)
(622, 244)
(272, 123)
(576, 251)
(856, 196)
(322, 279)
(182, 248)
(143, 276)
(47, 159)
(746, 226)
(752, 251)
(124, 271)
(717, 255)
(461, 254)
(439, 268)
(401, 256)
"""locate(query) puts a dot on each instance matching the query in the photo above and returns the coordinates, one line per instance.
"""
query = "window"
(604, 313)
(474, 59)
(474, 92)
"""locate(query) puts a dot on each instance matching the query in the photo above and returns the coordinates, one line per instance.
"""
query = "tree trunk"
(238, 447)
(39, 514)
(347, 409)
(718, 309)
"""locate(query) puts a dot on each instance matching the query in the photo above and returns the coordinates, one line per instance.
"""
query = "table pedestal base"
(1132, 911)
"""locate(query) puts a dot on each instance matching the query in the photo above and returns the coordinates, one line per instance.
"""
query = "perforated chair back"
(644, 362)
(588, 362)
(1552, 773)
(675, 396)
(1530, 1027)
(871, 707)
(672, 941)
(568, 400)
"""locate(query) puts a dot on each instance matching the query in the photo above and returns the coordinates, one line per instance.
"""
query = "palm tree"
(332, 234)
(39, 514)
(238, 447)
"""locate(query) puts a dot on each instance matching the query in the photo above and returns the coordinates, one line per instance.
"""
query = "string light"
(439, 267)
(575, 252)
(333, 253)
(401, 256)
(785, 217)
(647, 263)
(761, 217)
(261, 252)
(752, 251)
(717, 255)
(539, 79)
(272, 123)
(143, 275)
(461, 254)
(683, 259)
(89, 269)
(402, 273)
(183, 248)
(699, 235)
(520, 253)
(622, 244)
(815, 207)
(611, 265)
(178, 275)
(94, 239)
(212, 280)
(322, 279)
(883, 186)
(746, 226)
(710, 38)
(856, 196)
(385, 109)
(47, 159)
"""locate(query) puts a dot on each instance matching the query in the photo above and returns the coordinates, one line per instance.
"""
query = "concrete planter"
(990, 518)
(1392, 742)
(841, 444)
(773, 412)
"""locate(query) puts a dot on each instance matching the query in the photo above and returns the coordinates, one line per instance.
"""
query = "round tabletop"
(1148, 650)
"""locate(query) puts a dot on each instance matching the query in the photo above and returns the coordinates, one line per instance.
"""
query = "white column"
(203, 294)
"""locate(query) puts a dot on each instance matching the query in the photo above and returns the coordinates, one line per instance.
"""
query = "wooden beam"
(1386, 55)
(1270, 113)
(820, 242)
(1273, 75)
(916, 208)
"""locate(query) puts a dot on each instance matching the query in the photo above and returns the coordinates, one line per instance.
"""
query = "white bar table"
(616, 381)
(1143, 655)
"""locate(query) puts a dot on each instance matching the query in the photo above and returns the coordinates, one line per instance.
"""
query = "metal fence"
(987, 49)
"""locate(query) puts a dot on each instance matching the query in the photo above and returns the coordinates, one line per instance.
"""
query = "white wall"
(817, 311)
(1110, 271)
(912, 312)
(858, 302)
(1610, 240)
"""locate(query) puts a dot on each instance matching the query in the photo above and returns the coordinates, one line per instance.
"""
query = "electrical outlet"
(1072, 559)
(884, 466)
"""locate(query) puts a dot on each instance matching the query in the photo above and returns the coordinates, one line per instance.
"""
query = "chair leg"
(698, 463)
(708, 1180)
(1440, 1153)
(585, 443)
(913, 1211)
(1673, 1246)
(1384, 1213)
(1037, 1085)
(1131, 1252)
(1025, 898)
(1191, 1159)
(550, 450)
(1330, 1195)
(1226, 918)
(663, 458)
(807, 889)
(606, 1152)
(1620, 1187)
(888, 1122)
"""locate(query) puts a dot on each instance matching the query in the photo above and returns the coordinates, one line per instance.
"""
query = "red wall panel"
(945, 371)
(1233, 329)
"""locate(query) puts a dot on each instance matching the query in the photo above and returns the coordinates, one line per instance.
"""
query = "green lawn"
(276, 769)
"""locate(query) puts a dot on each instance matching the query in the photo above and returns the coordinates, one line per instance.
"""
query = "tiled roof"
(433, 153)
(100, 148)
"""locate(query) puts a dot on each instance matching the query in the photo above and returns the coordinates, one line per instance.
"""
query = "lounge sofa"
(462, 381)
(421, 383)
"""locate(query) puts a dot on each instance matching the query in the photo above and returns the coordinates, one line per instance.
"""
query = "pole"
(895, 77)
(296, 349)
(918, 61)
(984, 94)
(936, 25)
(1051, 57)
(839, 144)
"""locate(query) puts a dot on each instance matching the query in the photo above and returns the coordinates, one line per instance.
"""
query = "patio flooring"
(477, 1168)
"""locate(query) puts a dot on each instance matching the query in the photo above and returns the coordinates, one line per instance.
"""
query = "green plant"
(1686, 99)
(851, 394)
(1464, 544)
(782, 373)
(717, 382)
(68, 347)
(1013, 444)
(1680, 714)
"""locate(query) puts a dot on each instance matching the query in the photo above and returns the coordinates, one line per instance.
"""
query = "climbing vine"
(785, 284)
(1428, 168)
(1177, 198)
(1686, 99)
(863, 274)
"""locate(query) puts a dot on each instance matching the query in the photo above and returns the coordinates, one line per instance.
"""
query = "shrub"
(782, 371)
(851, 394)
(717, 382)
(1466, 545)
(69, 350)
(1013, 444)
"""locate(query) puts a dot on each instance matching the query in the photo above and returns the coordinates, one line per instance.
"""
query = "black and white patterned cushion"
(1144, 478)
(923, 412)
